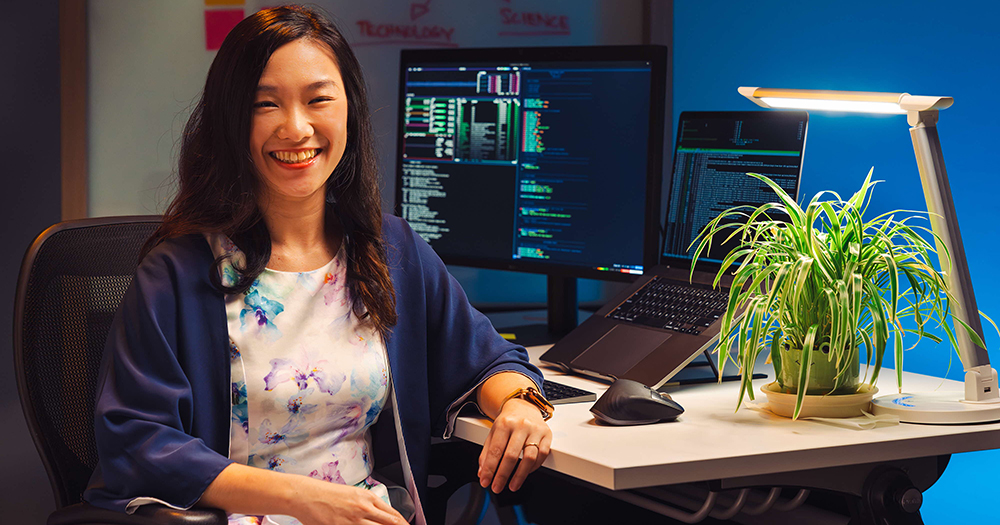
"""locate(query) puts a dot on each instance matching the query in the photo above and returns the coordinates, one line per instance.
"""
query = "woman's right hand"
(325, 503)
(257, 492)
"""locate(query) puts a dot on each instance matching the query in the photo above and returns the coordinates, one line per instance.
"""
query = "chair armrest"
(87, 514)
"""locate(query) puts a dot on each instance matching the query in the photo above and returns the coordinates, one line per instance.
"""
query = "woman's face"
(299, 127)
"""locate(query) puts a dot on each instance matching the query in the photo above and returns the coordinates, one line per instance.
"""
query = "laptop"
(670, 316)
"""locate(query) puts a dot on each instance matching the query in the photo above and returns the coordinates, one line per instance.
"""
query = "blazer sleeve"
(145, 417)
(463, 348)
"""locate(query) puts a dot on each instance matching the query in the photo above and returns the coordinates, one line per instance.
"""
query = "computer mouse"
(629, 402)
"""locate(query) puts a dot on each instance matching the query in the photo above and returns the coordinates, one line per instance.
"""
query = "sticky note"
(218, 24)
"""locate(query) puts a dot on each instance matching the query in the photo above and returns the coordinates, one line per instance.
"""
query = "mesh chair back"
(71, 283)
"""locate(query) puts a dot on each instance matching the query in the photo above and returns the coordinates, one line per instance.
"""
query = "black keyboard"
(673, 305)
(558, 393)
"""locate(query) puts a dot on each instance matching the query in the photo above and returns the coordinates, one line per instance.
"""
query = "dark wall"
(29, 145)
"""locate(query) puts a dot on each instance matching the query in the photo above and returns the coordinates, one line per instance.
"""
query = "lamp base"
(936, 408)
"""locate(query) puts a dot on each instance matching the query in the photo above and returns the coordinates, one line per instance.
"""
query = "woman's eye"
(320, 99)
(265, 104)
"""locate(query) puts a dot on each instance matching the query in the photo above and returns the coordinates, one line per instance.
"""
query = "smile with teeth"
(295, 157)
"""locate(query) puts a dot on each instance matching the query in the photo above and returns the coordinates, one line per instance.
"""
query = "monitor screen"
(714, 152)
(545, 160)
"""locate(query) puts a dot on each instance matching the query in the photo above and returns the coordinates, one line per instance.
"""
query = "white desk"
(712, 442)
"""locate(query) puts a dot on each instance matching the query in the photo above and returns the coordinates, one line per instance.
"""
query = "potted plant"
(821, 287)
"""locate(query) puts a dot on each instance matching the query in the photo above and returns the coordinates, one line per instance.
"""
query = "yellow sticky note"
(509, 337)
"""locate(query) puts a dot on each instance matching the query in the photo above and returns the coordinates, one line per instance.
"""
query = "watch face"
(536, 398)
(539, 398)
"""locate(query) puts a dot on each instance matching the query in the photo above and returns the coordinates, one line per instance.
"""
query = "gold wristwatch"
(533, 396)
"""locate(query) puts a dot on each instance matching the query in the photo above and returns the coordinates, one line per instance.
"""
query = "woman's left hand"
(518, 432)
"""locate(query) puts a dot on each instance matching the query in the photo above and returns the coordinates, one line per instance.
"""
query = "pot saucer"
(849, 405)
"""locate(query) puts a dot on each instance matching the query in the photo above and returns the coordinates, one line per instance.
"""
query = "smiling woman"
(276, 310)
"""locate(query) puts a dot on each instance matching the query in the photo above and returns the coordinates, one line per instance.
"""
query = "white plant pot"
(843, 405)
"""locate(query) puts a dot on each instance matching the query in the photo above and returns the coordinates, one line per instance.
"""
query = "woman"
(253, 353)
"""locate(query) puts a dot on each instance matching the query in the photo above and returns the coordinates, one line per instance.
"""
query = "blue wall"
(921, 47)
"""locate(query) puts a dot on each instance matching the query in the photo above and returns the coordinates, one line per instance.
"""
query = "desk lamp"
(982, 395)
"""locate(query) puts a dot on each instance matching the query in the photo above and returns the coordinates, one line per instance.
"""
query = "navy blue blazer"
(163, 401)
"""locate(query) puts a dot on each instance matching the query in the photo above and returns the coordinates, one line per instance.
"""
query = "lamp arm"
(981, 379)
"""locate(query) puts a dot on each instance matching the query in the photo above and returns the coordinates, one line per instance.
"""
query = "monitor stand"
(562, 315)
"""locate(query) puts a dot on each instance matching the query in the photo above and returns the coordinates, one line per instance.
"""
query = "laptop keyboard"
(668, 304)
(558, 393)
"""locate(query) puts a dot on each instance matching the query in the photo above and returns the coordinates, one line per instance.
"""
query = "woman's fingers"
(348, 505)
(384, 513)
(493, 449)
(508, 460)
(531, 458)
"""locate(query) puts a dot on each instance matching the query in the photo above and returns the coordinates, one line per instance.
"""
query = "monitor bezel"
(656, 55)
(713, 266)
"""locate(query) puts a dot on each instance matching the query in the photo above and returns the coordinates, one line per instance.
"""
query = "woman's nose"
(296, 126)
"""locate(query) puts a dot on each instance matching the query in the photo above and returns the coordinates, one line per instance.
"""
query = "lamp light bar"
(851, 106)
(848, 101)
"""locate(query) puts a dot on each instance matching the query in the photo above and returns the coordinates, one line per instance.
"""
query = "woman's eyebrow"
(319, 84)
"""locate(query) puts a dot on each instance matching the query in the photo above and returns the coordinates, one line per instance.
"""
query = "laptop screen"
(713, 154)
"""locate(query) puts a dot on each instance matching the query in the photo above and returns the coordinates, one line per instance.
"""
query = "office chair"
(72, 279)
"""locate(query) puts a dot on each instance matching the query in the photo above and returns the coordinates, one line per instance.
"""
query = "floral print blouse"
(308, 379)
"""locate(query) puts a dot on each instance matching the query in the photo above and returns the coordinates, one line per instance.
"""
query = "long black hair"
(220, 185)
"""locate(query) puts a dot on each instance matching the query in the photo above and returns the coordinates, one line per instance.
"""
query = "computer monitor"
(543, 160)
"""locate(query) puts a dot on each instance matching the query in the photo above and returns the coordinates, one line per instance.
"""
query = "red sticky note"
(218, 24)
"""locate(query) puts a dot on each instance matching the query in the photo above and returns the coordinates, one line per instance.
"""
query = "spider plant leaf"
(832, 217)
(984, 316)
(842, 321)
(792, 209)
(880, 332)
(859, 200)
(762, 210)
(857, 287)
(805, 264)
(951, 336)
(835, 314)
(776, 355)
(777, 284)
(723, 348)
(869, 350)
(736, 297)
(976, 340)
(893, 285)
(899, 358)
(924, 334)
(805, 367)
(757, 332)
(729, 260)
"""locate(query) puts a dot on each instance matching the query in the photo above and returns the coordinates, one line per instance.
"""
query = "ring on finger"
(526, 445)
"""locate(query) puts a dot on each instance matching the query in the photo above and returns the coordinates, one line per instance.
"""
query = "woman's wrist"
(495, 390)
(520, 406)
(247, 490)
